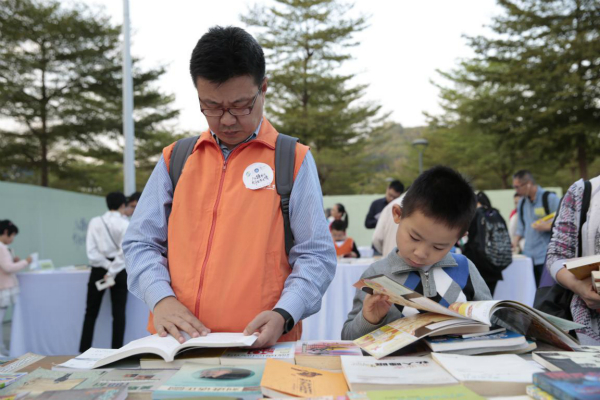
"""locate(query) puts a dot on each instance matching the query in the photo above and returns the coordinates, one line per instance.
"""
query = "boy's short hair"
(443, 194)
(135, 196)
(8, 227)
(225, 53)
(338, 225)
(115, 200)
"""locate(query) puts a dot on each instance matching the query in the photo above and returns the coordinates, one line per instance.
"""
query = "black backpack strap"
(285, 160)
(545, 202)
(181, 151)
(522, 212)
(585, 205)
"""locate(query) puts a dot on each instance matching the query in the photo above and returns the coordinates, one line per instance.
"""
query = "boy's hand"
(172, 317)
(375, 308)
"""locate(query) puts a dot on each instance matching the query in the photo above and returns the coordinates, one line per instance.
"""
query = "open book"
(166, 347)
(507, 313)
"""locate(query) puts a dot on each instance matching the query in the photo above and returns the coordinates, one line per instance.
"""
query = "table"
(48, 317)
(518, 282)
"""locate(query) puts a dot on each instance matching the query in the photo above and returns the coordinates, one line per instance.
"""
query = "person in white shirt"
(103, 243)
(384, 236)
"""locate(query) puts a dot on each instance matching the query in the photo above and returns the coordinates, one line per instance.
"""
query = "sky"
(398, 54)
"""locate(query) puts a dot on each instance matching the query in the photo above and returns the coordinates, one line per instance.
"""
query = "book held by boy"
(570, 385)
(369, 373)
(324, 354)
(166, 347)
(284, 351)
(499, 375)
(510, 314)
(283, 379)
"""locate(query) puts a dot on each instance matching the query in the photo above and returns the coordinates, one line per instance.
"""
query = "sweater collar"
(398, 265)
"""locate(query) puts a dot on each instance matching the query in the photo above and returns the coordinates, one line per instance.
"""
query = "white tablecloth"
(518, 282)
(48, 317)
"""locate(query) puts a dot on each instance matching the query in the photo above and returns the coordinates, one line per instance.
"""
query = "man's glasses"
(520, 186)
(236, 112)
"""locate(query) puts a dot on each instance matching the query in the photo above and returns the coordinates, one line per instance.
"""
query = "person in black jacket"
(394, 190)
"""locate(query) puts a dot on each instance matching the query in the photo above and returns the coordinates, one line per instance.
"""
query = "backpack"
(496, 244)
(285, 159)
(544, 203)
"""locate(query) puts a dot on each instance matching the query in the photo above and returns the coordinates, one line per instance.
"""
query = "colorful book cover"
(212, 380)
(327, 348)
(570, 385)
(282, 379)
(141, 380)
(538, 394)
(569, 361)
(284, 350)
(7, 379)
(42, 380)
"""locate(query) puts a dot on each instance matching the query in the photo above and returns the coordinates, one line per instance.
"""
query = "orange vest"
(345, 248)
(226, 247)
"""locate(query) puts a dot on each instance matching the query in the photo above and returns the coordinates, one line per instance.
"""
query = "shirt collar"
(398, 265)
(253, 136)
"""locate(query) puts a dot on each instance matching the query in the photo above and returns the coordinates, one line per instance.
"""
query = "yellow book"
(281, 379)
(548, 217)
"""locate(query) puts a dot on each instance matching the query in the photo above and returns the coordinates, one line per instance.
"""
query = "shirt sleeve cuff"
(555, 267)
(293, 304)
(156, 292)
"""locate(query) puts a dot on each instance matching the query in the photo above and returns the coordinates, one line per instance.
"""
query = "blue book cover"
(193, 380)
(570, 385)
(444, 343)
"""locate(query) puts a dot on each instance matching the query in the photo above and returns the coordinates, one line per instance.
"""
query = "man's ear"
(397, 213)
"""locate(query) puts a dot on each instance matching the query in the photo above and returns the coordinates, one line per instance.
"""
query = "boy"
(435, 213)
(344, 245)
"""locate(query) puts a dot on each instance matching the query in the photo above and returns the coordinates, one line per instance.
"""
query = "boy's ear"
(397, 213)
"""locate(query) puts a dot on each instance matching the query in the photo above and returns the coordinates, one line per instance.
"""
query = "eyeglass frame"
(250, 108)
(517, 187)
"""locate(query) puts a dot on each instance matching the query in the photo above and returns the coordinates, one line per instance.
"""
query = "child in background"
(9, 286)
(344, 246)
(435, 213)
(338, 212)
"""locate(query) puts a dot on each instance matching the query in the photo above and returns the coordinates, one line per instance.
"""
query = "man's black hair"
(524, 175)
(8, 227)
(115, 200)
(135, 196)
(225, 53)
(397, 186)
(338, 225)
(444, 195)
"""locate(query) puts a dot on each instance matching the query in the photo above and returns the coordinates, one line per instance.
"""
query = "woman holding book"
(566, 243)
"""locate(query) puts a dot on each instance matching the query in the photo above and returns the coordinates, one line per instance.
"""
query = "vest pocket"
(272, 282)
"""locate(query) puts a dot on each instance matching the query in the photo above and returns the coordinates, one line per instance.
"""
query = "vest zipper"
(426, 283)
(210, 237)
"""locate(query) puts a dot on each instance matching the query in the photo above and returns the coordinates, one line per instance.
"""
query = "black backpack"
(493, 238)
(285, 159)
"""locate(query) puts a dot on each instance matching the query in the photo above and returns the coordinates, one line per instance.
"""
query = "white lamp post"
(420, 144)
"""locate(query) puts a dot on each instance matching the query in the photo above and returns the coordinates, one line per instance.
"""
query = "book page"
(478, 310)
(89, 358)
(401, 295)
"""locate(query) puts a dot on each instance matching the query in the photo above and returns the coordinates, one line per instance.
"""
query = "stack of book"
(584, 267)
(471, 344)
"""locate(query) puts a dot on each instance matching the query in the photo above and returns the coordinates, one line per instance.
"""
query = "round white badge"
(258, 176)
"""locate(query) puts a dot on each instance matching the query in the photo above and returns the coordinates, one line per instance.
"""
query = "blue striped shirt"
(312, 257)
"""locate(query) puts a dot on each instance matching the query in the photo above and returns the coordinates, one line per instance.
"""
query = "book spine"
(545, 383)
(538, 394)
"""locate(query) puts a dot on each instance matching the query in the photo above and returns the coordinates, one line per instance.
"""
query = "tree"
(305, 42)
(60, 88)
(535, 84)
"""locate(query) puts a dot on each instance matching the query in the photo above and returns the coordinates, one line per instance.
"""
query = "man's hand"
(375, 308)
(269, 325)
(170, 316)
(586, 291)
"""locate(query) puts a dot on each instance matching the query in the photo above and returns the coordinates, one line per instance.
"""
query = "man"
(393, 191)
(535, 204)
(132, 203)
(212, 257)
(384, 236)
(103, 244)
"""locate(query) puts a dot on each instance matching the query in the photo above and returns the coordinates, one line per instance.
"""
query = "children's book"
(582, 267)
(499, 375)
(368, 373)
(490, 342)
(282, 379)
(194, 380)
(166, 347)
(42, 380)
(284, 351)
(205, 356)
(569, 361)
(454, 392)
(538, 394)
(324, 354)
(570, 385)
(510, 314)
(118, 393)
(134, 380)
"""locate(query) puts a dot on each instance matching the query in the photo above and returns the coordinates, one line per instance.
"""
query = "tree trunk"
(582, 161)
(44, 132)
